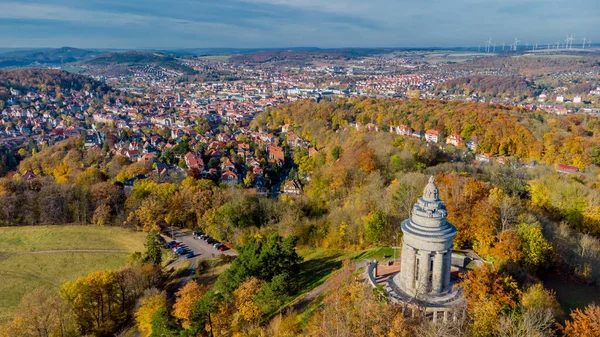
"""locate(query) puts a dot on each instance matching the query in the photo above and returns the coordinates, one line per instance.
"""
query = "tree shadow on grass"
(313, 271)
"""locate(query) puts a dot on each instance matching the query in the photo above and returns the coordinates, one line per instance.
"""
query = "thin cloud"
(288, 23)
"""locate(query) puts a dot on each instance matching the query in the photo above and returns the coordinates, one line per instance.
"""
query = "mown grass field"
(25, 264)
(36, 238)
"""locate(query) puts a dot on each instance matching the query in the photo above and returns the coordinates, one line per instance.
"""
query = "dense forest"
(489, 86)
(357, 188)
(47, 79)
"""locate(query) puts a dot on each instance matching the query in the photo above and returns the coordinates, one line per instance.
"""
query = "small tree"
(153, 246)
(335, 153)
(375, 226)
(535, 247)
(184, 304)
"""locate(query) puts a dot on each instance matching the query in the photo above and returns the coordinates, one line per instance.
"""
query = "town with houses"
(212, 117)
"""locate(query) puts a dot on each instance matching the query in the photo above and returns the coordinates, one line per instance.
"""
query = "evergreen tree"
(153, 248)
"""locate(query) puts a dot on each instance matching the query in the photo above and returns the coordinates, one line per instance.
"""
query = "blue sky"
(292, 23)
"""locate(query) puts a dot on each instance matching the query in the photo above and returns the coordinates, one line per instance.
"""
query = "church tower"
(426, 248)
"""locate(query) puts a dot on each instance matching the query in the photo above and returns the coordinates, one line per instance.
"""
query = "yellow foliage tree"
(149, 305)
(247, 317)
(489, 295)
(184, 304)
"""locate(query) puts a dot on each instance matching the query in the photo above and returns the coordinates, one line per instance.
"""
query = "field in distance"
(35, 256)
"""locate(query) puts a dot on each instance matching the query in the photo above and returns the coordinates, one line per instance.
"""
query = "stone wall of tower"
(426, 247)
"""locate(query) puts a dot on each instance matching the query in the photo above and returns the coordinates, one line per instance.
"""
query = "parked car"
(189, 255)
(181, 251)
(172, 244)
(223, 248)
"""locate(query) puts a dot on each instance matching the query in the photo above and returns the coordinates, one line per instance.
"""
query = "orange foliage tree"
(583, 323)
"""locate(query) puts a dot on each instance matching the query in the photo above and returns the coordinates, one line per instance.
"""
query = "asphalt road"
(200, 248)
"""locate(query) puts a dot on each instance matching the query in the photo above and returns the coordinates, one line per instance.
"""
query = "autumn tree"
(354, 309)
(184, 303)
(507, 248)
(537, 297)
(489, 295)
(102, 300)
(375, 226)
(246, 318)
(42, 313)
(149, 305)
(94, 301)
(583, 323)
(535, 246)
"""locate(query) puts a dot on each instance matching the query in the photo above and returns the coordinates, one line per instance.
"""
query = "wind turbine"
(557, 44)
(503, 43)
(569, 42)
(516, 44)
(488, 44)
(583, 44)
(526, 45)
(535, 46)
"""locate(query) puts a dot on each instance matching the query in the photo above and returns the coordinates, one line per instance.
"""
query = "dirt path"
(75, 251)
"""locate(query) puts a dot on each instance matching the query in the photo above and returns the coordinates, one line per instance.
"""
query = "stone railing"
(370, 273)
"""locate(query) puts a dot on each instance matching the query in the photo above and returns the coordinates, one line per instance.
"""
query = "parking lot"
(201, 248)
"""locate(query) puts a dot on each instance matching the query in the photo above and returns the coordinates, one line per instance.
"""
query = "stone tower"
(426, 249)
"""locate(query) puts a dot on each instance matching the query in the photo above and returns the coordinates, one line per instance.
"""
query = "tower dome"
(430, 193)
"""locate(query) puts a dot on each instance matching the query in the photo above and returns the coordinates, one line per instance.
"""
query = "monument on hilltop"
(424, 279)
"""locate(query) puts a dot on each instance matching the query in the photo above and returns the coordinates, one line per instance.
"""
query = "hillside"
(24, 58)
(500, 130)
(23, 79)
(35, 256)
(128, 62)
(535, 65)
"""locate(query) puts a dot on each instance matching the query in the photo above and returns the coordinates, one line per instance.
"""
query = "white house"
(454, 139)
(432, 136)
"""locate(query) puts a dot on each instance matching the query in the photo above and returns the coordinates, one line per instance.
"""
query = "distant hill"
(124, 62)
(25, 58)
